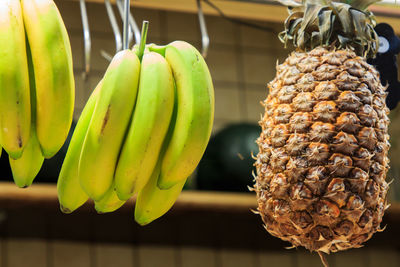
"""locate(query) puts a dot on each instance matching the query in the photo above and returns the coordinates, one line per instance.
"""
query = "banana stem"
(143, 37)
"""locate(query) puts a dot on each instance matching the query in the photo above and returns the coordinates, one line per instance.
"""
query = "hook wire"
(87, 44)
(126, 24)
(132, 22)
(205, 39)
(114, 25)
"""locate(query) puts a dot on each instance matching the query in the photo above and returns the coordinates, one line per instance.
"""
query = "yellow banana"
(109, 124)
(109, 203)
(25, 168)
(15, 107)
(195, 112)
(70, 194)
(149, 125)
(153, 202)
(52, 61)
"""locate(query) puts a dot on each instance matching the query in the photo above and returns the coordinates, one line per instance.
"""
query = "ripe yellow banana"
(195, 113)
(109, 203)
(147, 131)
(70, 194)
(109, 124)
(52, 61)
(25, 168)
(15, 107)
(153, 202)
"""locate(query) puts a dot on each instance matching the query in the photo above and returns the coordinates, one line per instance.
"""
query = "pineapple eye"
(367, 115)
(300, 121)
(326, 72)
(300, 191)
(303, 102)
(355, 202)
(348, 121)
(344, 228)
(359, 174)
(343, 137)
(318, 152)
(340, 160)
(325, 111)
(325, 207)
(347, 82)
(321, 131)
(286, 94)
(291, 75)
(334, 58)
(348, 101)
(317, 173)
(326, 91)
(365, 219)
(367, 137)
(354, 68)
(308, 64)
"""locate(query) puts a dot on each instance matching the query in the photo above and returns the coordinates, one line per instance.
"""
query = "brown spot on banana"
(105, 120)
(19, 137)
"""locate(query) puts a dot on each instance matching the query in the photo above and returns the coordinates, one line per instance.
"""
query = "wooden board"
(269, 11)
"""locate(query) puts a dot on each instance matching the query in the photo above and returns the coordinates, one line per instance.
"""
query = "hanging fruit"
(323, 161)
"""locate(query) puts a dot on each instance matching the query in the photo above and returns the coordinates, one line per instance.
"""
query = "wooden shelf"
(269, 11)
(45, 196)
(209, 219)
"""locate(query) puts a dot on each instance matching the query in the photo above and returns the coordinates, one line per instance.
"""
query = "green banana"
(109, 203)
(15, 107)
(109, 124)
(52, 61)
(70, 194)
(195, 112)
(149, 125)
(153, 202)
(25, 168)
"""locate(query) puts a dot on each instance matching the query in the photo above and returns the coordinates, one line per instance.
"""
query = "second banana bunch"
(142, 132)
(36, 85)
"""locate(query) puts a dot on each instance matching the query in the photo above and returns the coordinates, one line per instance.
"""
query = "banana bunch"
(36, 85)
(142, 132)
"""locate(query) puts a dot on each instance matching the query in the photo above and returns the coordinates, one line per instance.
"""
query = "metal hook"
(115, 28)
(132, 23)
(205, 40)
(87, 44)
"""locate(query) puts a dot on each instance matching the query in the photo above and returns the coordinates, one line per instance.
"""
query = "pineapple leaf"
(290, 3)
(325, 20)
(331, 22)
(345, 18)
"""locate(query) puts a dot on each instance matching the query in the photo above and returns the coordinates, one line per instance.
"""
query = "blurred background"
(242, 61)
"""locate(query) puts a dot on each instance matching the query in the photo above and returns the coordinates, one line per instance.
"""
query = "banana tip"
(65, 210)
(163, 185)
(142, 222)
(15, 155)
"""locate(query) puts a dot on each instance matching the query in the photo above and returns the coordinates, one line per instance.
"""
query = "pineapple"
(322, 158)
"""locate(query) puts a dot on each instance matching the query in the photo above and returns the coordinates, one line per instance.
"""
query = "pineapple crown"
(346, 24)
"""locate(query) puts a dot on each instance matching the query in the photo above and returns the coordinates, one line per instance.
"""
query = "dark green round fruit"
(227, 164)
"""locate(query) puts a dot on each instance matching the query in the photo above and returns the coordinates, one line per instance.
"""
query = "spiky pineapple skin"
(322, 160)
